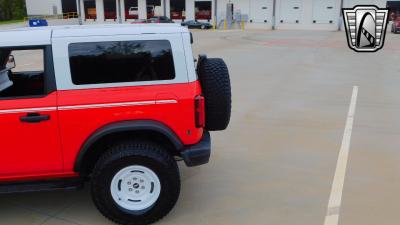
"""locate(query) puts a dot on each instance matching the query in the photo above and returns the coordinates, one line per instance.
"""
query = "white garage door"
(291, 11)
(261, 11)
(324, 11)
(352, 3)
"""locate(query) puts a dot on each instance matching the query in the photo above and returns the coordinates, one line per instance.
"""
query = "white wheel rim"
(135, 188)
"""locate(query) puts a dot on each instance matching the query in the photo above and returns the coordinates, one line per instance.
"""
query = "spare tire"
(215, 82)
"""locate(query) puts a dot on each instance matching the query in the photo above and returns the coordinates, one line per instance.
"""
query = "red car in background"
(396, 25)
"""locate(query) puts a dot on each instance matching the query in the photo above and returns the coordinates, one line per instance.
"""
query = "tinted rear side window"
(121, 61)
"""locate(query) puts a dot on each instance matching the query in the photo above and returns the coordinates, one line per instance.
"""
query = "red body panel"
(29, 149)
(49, 149)
(76, 125)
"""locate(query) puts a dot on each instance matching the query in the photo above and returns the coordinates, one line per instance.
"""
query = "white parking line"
(335, 199)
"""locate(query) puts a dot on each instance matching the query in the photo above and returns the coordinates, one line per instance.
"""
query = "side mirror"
(11, 62)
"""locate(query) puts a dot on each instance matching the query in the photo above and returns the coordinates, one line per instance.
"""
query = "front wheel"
(135, 183)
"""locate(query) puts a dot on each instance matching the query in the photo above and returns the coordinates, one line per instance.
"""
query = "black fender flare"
(136, 125)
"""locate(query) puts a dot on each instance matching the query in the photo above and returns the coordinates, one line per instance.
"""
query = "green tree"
(19, 9)
(12, 9)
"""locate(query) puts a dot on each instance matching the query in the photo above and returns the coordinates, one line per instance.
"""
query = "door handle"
(34, 118)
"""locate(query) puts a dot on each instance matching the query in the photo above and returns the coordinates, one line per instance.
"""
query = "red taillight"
(199, 110)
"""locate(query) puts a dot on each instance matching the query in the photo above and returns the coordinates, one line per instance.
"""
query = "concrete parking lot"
(275, 165)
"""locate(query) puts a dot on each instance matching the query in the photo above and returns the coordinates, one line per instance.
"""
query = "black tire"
(216, 85)
(139, 153)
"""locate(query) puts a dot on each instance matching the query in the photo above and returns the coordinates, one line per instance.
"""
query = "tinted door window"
(27, 78)
(118, 62)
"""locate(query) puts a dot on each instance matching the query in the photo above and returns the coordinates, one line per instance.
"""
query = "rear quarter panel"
(82, 112)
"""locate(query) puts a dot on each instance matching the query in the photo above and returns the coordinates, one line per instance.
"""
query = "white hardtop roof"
(42, 35)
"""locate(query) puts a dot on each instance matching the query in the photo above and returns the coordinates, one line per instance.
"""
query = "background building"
(283, 14)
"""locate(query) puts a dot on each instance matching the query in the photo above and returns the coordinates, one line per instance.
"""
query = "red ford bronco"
(115, 104)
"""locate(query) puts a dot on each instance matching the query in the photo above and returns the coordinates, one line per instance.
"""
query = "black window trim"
(49, 73)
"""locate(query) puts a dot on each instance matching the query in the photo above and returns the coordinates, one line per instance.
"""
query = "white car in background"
(133, 11)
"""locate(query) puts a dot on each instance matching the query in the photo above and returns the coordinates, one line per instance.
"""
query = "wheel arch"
(97, 143)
